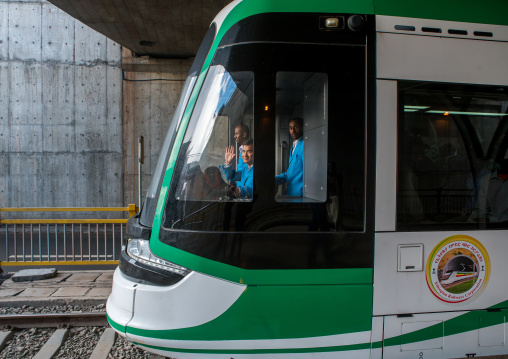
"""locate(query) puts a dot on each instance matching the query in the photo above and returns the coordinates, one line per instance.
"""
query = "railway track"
(53, 320)
(63, 335)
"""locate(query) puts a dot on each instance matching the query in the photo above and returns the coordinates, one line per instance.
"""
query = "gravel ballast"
(26, 343)
(27, 309)
(79, 344)
(124, 349)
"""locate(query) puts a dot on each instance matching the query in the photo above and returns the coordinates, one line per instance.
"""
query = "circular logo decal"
(458, 269)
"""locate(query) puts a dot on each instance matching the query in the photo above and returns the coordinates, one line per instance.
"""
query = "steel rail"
(53, 320)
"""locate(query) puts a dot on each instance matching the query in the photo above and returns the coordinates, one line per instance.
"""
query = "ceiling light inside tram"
(446, 113)
(409, 107)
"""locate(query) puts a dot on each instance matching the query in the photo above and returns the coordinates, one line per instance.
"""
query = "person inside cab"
(241, 135)
(244, 175)
(294, 174)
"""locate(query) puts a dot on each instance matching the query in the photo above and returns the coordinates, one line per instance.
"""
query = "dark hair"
(244, 128)
(297, 119)
(249, 142)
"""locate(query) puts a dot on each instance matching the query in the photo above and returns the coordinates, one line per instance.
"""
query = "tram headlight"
(139, 250)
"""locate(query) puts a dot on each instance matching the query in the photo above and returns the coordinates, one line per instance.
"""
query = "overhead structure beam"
(157, 28)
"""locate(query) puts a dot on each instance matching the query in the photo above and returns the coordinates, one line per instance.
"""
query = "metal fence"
(62, 241)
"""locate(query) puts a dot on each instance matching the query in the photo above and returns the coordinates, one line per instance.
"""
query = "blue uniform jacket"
(294, 174)
(241, 164)
(244, 178)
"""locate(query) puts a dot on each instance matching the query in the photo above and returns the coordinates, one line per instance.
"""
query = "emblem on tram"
(458, 269)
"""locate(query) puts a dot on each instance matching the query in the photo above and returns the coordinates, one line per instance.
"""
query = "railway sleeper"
(52, 347)
(5, 337)
(104, 345)
(53, 344)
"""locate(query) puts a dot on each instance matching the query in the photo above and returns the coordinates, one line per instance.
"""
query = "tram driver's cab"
(264, 97)
(217, 205)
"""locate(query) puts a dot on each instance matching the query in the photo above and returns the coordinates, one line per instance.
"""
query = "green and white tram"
(396, 246)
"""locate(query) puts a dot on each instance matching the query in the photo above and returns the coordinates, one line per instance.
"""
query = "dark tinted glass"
(260, 232)
(152, 194)
(212, 165)
(342, 206)
(149, 206)
(453, 160)
(301, 141)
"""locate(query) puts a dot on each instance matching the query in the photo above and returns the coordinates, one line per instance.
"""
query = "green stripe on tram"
(464, 323)
(264, 313)
(115, 325)
(345, 276)
(487, 12)
(341, 348)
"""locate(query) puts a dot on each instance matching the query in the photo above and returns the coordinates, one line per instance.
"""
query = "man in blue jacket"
(294, 174)
(244, 174)
(241, 135)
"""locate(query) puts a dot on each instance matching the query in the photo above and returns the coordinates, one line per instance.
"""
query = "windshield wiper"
(192, 214)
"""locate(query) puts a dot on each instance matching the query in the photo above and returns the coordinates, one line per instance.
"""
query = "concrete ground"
(90, 287)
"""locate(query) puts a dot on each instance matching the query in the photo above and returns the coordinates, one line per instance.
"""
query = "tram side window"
(453, 156)
(213, 156)
(301, 136)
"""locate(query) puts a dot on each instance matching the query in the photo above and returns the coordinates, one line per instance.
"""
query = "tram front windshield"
(275, 143)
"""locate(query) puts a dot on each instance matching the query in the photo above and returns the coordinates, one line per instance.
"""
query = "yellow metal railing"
(62, 241)
(131, 208)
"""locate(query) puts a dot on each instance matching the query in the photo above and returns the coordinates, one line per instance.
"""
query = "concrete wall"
(69, 123)
(61, 135)
(151, 93)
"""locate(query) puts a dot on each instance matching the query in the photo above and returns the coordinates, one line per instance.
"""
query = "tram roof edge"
(489, 12)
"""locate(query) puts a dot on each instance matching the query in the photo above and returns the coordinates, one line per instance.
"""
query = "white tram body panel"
(482, 342)
(397, 292)
(195, 300)
(403, 299)
(425, 58)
